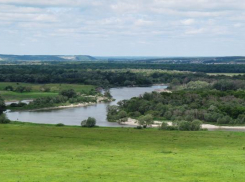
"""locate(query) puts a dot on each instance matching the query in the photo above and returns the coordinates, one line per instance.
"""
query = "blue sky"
(123, 27)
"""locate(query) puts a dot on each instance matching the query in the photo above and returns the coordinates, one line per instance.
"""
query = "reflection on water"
(74, 116)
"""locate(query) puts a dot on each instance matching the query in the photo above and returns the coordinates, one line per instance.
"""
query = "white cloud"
(104, 21)
(142, 22)
(48, 2)
(195, 31)
(188, 21)
(238, 25)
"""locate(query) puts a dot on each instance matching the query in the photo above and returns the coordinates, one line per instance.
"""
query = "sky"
(165, 28)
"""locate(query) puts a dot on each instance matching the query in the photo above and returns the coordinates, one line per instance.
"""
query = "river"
(74, 116)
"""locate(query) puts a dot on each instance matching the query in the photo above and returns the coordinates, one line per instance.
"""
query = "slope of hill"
(136, 59)
(178, 60)
(4, 57)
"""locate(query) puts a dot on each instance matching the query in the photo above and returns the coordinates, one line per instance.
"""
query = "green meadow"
(36, 90)
(225, 74)
(44, 153)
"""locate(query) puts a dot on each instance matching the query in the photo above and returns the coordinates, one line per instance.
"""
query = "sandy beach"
(133, 122)
(99, 100)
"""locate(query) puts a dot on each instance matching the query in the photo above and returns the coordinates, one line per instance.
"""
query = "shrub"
(9, 88)
(138, 127)
(45, 89)
(22, 89)
(224, 120)
(184, 125)
(68, 93)
(189, 126)
(163, 126)
(196, 125)
(108, 94)
(84, 123)
(20, 104)
(146, 120)
(4, 119)
(90, 122)
(241, 119)
(2, 105)
(60, 124)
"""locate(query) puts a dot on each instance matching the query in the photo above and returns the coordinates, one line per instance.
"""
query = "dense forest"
(220, 107)
(57, 65)
(93, 74)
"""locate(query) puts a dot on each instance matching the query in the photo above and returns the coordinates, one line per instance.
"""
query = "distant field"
(48, 153)
(23, 96)
(150, 71)
(226, 74)
(36, 90)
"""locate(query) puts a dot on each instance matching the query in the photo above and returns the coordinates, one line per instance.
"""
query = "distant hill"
(139, 59)
(4, 57)
(231, 60)
(179, 60)
(191, 60)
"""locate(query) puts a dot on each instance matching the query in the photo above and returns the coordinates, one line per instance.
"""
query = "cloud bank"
(123, 27)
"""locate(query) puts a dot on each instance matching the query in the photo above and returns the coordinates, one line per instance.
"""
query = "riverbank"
(38, 90)
(63, 106)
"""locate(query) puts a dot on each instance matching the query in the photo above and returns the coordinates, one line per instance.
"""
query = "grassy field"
(49, 153)
(225, 74)
(36, 90)
(7, 95)
(149, 71)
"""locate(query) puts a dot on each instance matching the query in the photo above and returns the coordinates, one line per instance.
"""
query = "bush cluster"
(183, 126)
(90, 122)
(4, 119)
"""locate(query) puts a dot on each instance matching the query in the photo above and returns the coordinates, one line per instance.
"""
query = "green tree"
(146, 120)
(4, 119)
(68, 93)
(90, 122)
(122, 116)
(2, 105)
(20, 89)
(9, 88)
(108, 94)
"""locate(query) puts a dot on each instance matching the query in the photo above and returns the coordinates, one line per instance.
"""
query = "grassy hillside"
(36, 90)
(49, 153)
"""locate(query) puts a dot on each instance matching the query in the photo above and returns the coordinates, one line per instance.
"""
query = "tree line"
(103, 78)
(64, 97)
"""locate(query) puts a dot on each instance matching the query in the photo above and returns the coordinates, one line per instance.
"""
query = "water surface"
(74, 116)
